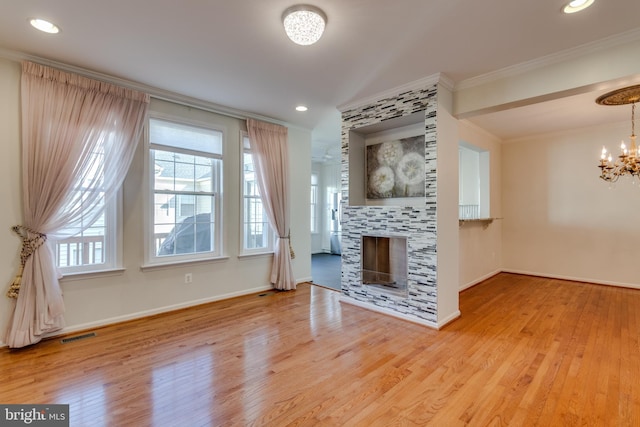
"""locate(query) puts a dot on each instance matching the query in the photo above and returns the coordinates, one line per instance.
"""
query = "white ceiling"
(236, 54)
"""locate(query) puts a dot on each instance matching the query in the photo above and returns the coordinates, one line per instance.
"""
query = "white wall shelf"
(484, 221)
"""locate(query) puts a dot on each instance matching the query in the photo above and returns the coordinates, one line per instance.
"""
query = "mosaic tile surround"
(417, 222)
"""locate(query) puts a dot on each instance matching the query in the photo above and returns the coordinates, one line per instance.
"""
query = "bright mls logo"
(34, 415)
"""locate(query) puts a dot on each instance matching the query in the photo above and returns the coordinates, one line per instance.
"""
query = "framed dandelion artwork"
(396, 168)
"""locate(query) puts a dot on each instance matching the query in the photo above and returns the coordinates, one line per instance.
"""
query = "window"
(314, 203)
(185, 180)
(257, 236)
(97, 247)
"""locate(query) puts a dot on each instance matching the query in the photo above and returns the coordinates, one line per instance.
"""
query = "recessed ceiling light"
(301, 108)
(44, 26)
(577, 5)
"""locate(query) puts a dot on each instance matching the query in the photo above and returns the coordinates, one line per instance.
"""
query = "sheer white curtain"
(78, 139)
(269, 149)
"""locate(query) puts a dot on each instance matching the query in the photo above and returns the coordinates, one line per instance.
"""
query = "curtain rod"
(154, 92)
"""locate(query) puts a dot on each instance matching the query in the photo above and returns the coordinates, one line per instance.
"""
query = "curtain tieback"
(288, 237)
(29, 246)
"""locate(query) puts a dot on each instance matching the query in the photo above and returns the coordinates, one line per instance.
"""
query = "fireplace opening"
(384, 263)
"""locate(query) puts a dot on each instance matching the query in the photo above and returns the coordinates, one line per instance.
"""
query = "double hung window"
(185, 167)
(256, 234)
(94, 244)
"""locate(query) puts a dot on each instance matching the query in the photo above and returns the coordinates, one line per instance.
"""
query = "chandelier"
(304, 24)
(628, 162)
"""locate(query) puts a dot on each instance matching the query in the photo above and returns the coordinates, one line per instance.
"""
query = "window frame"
(270, 236)
(151, 259)
(113, 236)
(314, 223)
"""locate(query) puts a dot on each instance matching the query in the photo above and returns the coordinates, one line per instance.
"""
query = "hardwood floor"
(526, 351)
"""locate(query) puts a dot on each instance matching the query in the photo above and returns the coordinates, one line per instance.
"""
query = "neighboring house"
(170, 210)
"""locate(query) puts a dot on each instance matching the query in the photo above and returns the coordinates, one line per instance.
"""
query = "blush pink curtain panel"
(269, 149)
(78, 139)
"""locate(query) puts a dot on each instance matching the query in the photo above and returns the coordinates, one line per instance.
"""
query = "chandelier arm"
(633, 119)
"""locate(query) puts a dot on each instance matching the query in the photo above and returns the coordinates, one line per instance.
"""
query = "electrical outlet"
(188, 278)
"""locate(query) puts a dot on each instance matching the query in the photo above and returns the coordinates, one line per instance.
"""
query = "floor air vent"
(78, 337)
(266, 294)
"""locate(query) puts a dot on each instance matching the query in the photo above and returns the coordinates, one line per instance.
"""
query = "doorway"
(326, 270)
(326, 258)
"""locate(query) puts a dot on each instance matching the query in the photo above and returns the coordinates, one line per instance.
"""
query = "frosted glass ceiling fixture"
(628, 162)
(45, 26)
(304, 24)
(577, 6)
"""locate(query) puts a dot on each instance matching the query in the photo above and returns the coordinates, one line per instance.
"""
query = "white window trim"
(243, 252)
(150, 259)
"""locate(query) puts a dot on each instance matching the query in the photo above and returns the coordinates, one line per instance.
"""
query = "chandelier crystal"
(628, 162)
(304, 24)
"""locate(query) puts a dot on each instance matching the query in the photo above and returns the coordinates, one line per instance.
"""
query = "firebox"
(384, 263)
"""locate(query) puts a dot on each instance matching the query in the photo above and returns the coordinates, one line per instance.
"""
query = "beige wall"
(560, 219)
(102, 299)
(480, 245)
(10, 181)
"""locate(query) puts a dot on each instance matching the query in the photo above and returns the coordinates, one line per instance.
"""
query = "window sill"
(149, 267)
(70, 277)
(255, 255)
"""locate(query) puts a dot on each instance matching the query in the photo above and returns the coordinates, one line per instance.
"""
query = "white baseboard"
(449, 319)
(393, 313)
(151, 312)
(478, 280)
(573, 279)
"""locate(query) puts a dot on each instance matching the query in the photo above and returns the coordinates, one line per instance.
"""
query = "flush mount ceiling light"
(304, 24)
(44, 26)
(577, 6)
(301, 108)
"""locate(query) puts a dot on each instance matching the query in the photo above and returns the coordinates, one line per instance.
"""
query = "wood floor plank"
(526, 351)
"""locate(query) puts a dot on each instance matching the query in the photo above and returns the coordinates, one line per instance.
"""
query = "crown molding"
(554, 58)
(154, 92)
(393, 92)
(478, 129)
(446, 82)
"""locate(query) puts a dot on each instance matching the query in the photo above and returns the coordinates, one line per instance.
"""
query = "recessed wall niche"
(406, 131)
(473, 182)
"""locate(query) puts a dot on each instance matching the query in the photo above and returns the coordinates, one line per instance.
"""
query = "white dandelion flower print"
(382, 181)
(410, 169)
(389, 153)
